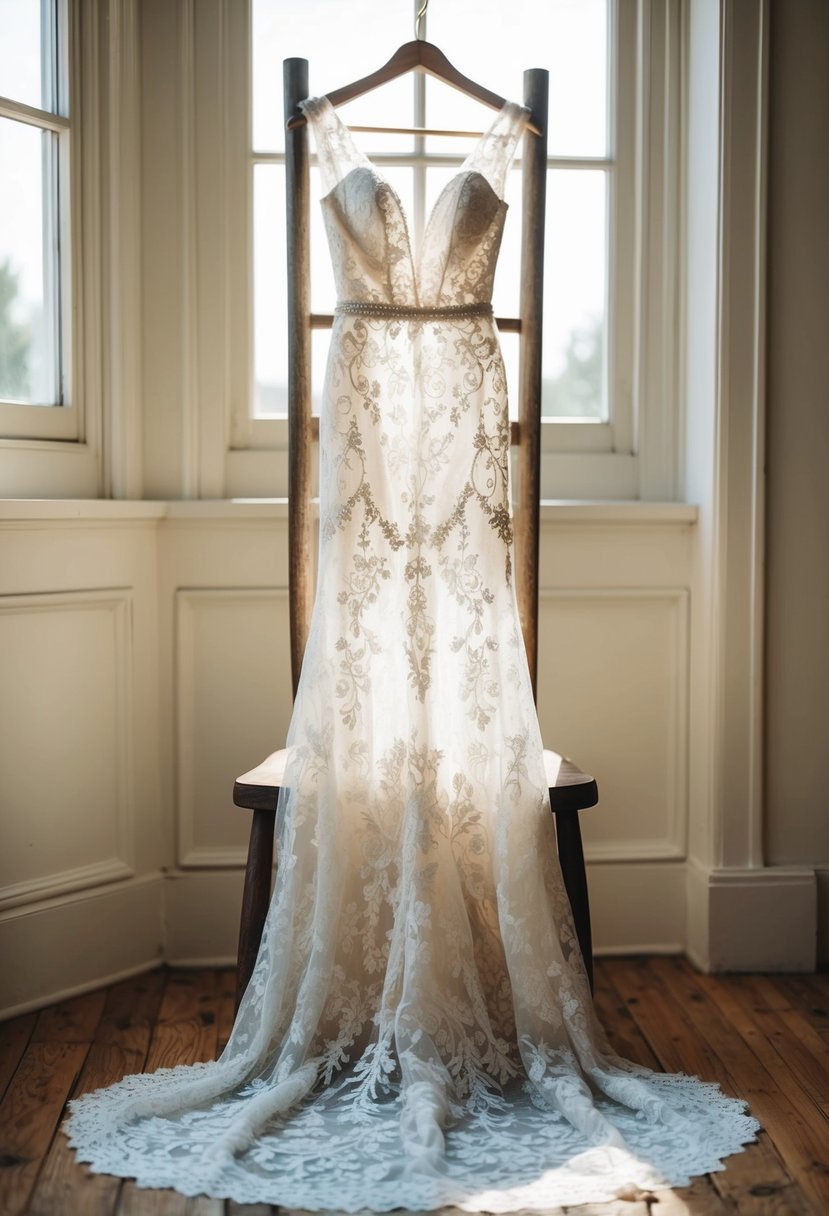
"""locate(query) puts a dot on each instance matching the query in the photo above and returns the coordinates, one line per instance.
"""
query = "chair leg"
(571, 857)
(255, 896)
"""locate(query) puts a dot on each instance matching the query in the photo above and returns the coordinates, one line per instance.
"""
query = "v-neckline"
(362, 160)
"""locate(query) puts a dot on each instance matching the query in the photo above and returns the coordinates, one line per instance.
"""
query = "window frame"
(59, 419)
(92, 444)
(635, 452)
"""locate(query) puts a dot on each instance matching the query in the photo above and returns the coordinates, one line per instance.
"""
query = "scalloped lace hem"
(334, 1154)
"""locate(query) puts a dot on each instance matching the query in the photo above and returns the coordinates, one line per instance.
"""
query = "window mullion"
(575, 162)
(20, 112)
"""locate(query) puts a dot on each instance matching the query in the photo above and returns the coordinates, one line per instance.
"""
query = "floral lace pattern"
(418, 1030)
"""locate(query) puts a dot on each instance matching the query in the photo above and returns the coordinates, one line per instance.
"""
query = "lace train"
(512, 1152)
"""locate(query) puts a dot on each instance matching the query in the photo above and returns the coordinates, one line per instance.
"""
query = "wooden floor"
(765, 1038)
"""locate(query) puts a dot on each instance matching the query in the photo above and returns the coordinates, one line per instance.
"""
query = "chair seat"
(270, 772)
(569, 786)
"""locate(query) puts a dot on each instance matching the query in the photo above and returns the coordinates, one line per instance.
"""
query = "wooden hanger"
(417, 55)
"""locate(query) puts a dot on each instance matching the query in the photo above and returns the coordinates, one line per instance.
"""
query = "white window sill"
(92, 510)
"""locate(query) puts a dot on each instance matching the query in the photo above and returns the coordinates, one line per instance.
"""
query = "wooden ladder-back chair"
(571, 790)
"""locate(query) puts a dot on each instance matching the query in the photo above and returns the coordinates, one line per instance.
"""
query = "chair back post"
(295, 85)
(528, 499)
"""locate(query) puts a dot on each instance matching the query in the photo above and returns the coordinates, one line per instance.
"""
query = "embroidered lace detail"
(418, 1030)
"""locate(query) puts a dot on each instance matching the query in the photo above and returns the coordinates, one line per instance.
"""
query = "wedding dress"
(419, 1030)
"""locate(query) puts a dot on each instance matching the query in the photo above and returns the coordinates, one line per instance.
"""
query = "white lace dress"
(418, 1031)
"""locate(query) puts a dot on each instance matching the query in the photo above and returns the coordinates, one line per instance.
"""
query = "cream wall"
(797, 604)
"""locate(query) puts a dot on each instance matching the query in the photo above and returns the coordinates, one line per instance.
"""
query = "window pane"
(495, 42)
(269, 291)
(341, 43)
(22, 74)
(28, 265)
(575, 296)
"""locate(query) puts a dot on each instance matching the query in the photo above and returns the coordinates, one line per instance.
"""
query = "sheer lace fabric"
(418, 1030)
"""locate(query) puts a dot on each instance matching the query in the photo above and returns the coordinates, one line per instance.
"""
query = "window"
(35, 299)
(612, 193)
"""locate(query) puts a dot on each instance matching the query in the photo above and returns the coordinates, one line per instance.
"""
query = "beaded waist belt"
(366, 308)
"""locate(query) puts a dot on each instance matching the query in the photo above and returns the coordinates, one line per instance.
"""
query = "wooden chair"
(571, 790)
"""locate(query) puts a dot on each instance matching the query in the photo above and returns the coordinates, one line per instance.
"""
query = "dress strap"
(492, 155)
(337, 153)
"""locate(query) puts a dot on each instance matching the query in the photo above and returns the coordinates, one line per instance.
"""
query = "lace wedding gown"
(418, 1030)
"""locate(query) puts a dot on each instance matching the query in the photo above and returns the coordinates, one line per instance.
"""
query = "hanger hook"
(421, 13)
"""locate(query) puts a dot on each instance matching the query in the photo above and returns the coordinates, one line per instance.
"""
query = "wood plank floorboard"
(35, 1097)
(758, 1181)
(808, 998)
(186, 1032)
(762, 1037)
(14, 1040)
(120, 1047)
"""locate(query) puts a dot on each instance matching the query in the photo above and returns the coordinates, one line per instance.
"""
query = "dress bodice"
(368, 234)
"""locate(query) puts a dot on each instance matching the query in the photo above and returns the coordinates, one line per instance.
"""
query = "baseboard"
(219, 961)
(822, 876)
(73, 943)
(645, 948)
(64, 994)
(752, 919)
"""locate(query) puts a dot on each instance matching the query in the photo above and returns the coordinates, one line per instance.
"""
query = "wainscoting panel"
(66, 735)
(613, 694)
(233, 699)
